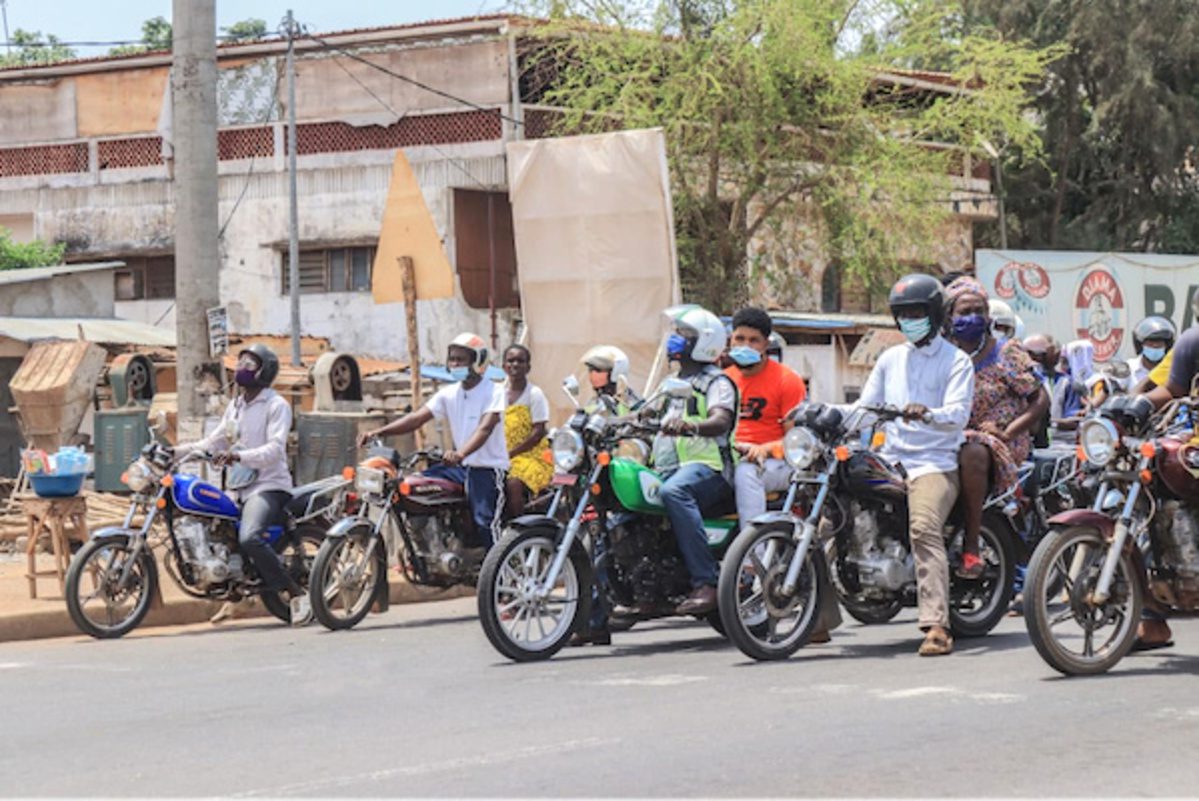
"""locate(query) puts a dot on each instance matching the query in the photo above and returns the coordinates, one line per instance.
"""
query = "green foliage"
(245, 30)
(1117, 117)
(17, 255)
(775, 113)
(156, 35)
(32, 48)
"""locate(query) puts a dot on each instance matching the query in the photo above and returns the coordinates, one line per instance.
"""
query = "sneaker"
(301, 611)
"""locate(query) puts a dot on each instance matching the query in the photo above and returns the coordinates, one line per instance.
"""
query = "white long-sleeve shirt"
(258, 432)
(938, 376)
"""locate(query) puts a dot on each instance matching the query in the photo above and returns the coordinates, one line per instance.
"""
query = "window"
(830, 289)
(145, 278)
(483, 239)
(332, 270)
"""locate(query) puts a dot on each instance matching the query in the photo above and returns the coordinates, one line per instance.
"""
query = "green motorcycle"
(535, 584)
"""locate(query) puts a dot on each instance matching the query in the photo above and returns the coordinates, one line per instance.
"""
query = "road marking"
(459, 763)
(914, 692)
(951, 692)
(667, 680)
(13, 665)
(1174, 713)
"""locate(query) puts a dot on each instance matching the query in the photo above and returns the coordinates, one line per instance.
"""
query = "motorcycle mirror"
(570, 385)
(677, 388)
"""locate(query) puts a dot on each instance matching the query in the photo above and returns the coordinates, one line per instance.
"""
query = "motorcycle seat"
(300, 496)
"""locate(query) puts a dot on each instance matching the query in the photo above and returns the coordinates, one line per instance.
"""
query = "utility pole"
(197, 268)
(293, 238)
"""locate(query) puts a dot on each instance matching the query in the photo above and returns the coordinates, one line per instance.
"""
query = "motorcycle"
(535, 585)
(774, 569)
(1139, 539)
(349, 574)
(113, 579)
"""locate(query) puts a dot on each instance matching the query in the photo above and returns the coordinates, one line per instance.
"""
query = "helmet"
(1019, 327)
(1154, 327)
(268, 363)
(475, 344)
(705, 334)
(1001, 315)
(919, 290)
(775, 345)
(610, 359)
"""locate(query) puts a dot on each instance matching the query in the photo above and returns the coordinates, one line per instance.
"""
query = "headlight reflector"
(567, 447)
(1098, 438)
(369, 481)
(138, 476)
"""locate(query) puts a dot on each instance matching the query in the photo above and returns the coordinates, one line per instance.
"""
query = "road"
(415, 702)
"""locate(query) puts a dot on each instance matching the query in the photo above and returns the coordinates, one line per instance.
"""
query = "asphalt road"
(415, 702)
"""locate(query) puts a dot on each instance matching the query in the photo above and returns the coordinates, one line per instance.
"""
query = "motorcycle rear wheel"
(93, 575)
(1044, 613)
(345, 581)
(996, 584)
(514, 619)
(751, 575)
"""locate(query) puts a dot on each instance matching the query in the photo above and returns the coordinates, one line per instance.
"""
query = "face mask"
(459, 373)
(969, 327)
(245, 376)
(676, 346)
(916, 330)
(745, 356)
(1154, 355)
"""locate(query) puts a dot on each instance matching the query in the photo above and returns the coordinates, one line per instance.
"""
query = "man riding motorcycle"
(251, 439)
(933, 383)
(1152, 339)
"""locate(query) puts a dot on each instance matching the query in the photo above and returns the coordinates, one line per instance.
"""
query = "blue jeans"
(599, 583)
(484, 492)
(685, 494)
(259, 512)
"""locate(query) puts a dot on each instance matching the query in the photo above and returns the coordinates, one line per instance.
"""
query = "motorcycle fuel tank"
(1178, 467)
(193, 495)
(638, 488)
(869, 474)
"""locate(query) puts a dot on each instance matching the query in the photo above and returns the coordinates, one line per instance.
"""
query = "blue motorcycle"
(113, 579)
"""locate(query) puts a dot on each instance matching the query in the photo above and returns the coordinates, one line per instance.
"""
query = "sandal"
(971, 567)
(937, 642)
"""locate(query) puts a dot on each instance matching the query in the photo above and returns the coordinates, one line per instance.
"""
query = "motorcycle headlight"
(368, 481)
(1112, 501)
(138, 476)
(1098, 438)
(800, 447)
(567, 448)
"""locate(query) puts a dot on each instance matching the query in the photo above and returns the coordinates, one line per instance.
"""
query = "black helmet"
(921, 291)
(1154, 327)
(268, 363)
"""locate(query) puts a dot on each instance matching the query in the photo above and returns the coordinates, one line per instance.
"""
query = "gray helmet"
(1154, 327)
(268, 363)
(774, 346)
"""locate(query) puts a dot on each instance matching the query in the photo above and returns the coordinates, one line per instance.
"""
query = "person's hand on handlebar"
(680, 428)
(916, 411)
(452, 457)
(225, 458)
(365, 437)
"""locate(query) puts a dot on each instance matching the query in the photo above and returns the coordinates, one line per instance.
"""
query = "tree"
(246, 30)
(1117, 118)
(18, 255)
(776, 111)
(32, 48)
(156, 35)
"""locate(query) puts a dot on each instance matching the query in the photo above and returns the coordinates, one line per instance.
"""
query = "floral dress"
(1003, 383)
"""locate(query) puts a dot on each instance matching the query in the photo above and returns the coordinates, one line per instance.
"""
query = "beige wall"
(37, 112)
(125, 102)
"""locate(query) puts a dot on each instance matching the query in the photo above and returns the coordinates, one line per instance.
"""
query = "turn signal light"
(1146, 477)
(842, 453)
(405, 488)
(604, 458)
(1148, 450)
(777, 451)
(347, 473)
(878, 440)
(596, 489)
(1080, 454)
(124, 478)
(168, 481)
(547, 456)
(161, 503)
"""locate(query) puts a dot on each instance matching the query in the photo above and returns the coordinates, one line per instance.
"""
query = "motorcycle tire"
(754, 639)
(146, 581)
(870, 612)
(277, 602)
(504, 605)
(323, 569)
(1041, 608)
(995, 537)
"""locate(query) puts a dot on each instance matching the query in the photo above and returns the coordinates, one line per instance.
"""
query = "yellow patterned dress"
(530, 467)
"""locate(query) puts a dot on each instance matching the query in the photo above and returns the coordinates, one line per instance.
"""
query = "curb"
(56, 622)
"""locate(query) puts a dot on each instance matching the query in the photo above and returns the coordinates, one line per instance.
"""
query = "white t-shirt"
(534, 398)
(1137, 370)
(464, 410)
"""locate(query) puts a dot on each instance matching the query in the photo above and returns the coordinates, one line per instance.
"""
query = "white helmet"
(475, 344)
(609, 359)
(702, 329)
(1019, 328)
(1001, 315)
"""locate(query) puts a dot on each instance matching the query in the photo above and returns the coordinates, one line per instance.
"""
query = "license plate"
(564, 480)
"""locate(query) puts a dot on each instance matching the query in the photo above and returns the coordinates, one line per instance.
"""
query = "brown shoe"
(701, 601)
(938, 642)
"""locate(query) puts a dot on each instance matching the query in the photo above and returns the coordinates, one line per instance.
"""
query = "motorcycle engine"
(439, 544)
(1175, 532)
(209, 549)
(882, 562)
(645, 564)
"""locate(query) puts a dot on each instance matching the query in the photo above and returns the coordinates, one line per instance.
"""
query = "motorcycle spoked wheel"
(763, 623)
(345, 580)
(92, 577)
(298, 563)
(867, 611)
(1075, 653)
(977, 605)
(520, 625)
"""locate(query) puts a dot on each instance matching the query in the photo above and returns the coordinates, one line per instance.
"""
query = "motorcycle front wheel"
(761, 620)
(346, 577)
(518, 620)
(99, 603)
(1073, 635)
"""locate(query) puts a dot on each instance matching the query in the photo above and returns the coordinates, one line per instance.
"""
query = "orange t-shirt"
(765, 400)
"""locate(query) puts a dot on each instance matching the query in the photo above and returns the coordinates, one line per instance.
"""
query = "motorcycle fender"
(534, 521)
(772, 518)
(347, 524)
(1085, 517)
(120, 533)
(112, 531)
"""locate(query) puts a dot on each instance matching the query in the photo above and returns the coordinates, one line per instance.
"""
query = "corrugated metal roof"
(102, 331)
(42, 273)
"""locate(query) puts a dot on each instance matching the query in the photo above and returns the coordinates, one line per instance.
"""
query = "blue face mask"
(676, 345)
(969, 327)
(1154, 355)
(459, 373)
(745, 356)
(916, 330)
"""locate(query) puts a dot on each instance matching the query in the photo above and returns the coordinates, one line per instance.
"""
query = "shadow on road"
(1146, 664)
(411, 624)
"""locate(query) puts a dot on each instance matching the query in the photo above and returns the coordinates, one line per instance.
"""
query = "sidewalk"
(25, 618)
